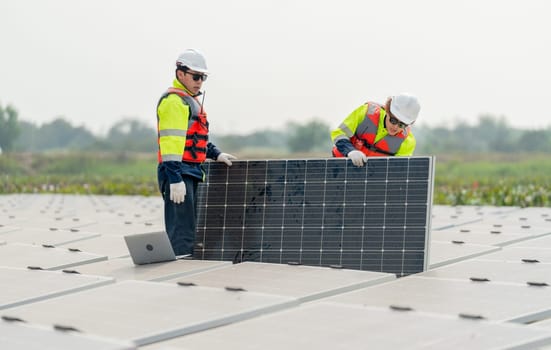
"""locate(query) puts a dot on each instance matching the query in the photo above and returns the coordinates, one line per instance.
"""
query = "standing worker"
(182, 130)
(376, 130)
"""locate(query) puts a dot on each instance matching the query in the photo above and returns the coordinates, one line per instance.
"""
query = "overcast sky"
(273, 61)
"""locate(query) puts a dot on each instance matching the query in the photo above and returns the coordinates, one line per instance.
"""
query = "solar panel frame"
(318, 212)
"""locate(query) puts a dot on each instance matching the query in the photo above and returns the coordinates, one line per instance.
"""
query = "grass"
(479, 179)
(493, 179)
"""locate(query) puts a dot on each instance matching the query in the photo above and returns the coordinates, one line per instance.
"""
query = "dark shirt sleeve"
(344, 146)
(212, 151)
(172, 171)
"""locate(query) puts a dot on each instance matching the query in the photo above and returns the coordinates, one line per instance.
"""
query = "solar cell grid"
(318, 212)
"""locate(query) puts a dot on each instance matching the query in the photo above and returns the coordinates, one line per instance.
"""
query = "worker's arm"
(212, 151)
(341, 135)
(173, 117)
(344, 146)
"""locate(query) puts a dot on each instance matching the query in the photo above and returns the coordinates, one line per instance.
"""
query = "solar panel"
(319, 212)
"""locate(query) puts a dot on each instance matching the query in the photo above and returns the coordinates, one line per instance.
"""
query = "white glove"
(225, 158)
(358, 158)
(178, 192)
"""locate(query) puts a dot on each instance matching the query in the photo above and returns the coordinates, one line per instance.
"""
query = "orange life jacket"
(364, 137)
(198, 128)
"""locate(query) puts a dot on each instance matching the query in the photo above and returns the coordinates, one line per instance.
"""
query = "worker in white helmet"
(378, 130)
(183, 132)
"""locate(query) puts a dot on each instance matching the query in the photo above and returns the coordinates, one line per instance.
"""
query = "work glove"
(225, 158)
(358, 158)
(178, 192)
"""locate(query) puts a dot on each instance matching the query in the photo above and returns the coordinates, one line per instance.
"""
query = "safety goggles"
(395, 121)
(197, 76)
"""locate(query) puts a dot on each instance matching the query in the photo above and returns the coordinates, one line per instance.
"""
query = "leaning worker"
(183, 133)
(376, 130)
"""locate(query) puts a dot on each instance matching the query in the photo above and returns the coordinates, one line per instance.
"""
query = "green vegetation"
(485, 164)
(490, 135)
(9, 128)
(491, 179)
(87, 173)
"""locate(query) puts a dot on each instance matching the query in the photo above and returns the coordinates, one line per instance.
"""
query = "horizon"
(450, 126)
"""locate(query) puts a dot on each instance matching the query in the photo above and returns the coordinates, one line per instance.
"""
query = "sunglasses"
(197, 76)
(395, 121)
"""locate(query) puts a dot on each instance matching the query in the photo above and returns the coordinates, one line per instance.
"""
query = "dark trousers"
(180, 219)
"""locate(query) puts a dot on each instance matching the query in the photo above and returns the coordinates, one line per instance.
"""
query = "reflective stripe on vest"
(364, 137)
(197, 132)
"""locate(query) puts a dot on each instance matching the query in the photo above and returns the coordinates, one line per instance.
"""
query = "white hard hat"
(405, 107)
(194, 60)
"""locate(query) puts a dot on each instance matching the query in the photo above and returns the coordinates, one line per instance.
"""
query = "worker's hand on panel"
(357, 157)
(225, 158)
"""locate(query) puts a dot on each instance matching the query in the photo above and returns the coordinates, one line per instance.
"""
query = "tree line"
(490, 134)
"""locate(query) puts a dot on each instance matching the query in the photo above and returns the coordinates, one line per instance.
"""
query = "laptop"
(148, 248)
